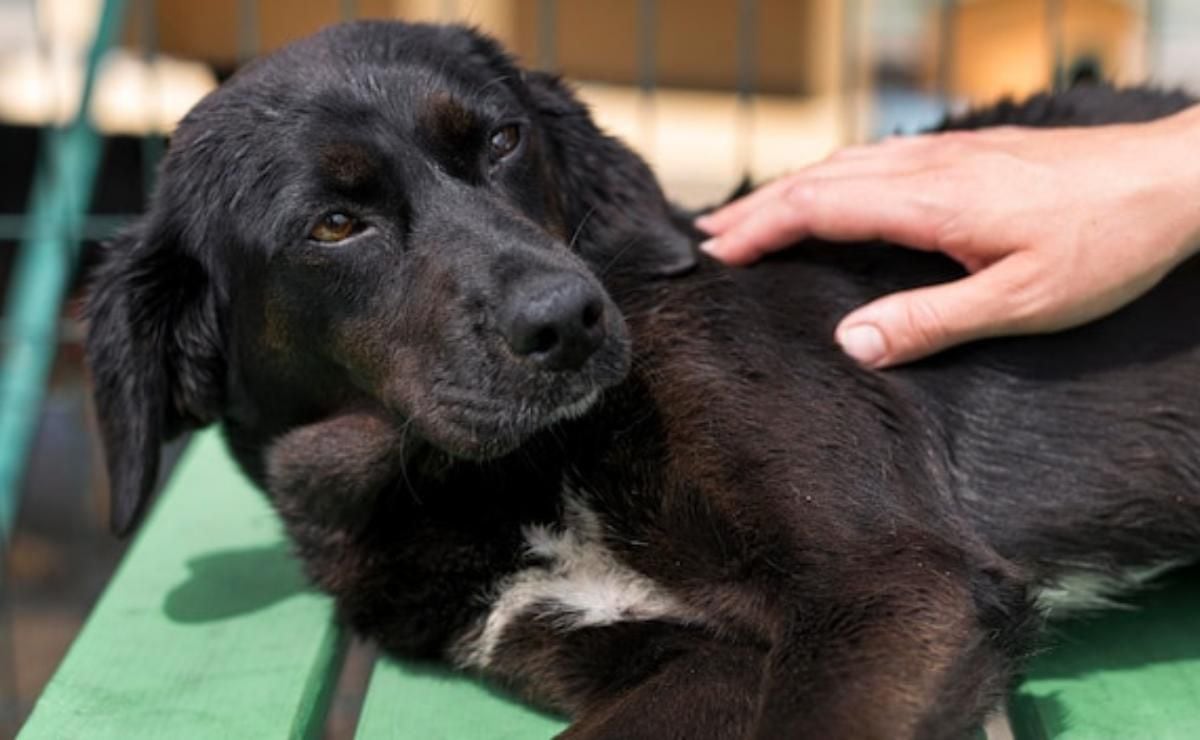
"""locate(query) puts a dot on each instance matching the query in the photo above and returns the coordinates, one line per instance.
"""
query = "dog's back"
(1076, 453)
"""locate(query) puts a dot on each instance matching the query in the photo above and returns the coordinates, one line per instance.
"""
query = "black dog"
(512, 420)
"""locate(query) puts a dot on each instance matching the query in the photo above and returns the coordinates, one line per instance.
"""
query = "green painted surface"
(1122, 675)
(206, 631)
(409, 701)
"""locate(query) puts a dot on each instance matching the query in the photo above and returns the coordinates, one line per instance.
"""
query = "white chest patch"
(1083, 590)
(575, 580)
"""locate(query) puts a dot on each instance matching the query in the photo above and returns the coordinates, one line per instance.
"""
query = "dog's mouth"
(495, 415)
(576, 409)
(471, 433)
(475, 432)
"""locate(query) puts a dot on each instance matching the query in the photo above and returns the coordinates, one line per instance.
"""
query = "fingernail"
(863, 342)
(708, 246)
(704, 223)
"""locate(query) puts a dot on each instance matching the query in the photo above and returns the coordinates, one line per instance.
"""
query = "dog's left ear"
(608, 196)
(156, 355)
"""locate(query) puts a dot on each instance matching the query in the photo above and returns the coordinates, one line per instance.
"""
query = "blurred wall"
(1013, 48)
(795, 42)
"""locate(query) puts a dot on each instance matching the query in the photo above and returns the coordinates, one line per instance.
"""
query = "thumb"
(912, 324)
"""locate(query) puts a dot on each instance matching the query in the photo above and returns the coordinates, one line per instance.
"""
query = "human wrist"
(1190, 130)
(1179, 135)
(1192, 124)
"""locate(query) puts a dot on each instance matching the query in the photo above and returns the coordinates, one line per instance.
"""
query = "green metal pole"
(58, 202)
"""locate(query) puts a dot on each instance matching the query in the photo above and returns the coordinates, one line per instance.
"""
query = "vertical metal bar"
(747, 30)
(851, 51)
(247, 30)
(947, 17)
(10, 706)
(547, 40)
(647, 47)
(1054, 30)
(348, 10)
(151, 142)
(1153, 25)
(58, 202)
(647, 73)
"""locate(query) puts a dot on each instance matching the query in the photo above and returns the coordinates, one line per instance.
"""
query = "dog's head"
(382, 216)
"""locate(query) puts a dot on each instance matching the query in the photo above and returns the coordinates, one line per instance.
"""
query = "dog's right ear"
(155, 349)
(608, 195)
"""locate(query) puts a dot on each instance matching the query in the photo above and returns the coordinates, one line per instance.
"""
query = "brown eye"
(504, 141)
(333, 228)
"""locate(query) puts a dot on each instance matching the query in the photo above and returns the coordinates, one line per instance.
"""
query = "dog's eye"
(334, 227)
(504, 141)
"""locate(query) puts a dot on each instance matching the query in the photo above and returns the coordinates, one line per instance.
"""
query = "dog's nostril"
(543, 340)
(592, 313)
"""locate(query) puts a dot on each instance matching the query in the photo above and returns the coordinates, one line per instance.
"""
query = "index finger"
(840, 209)
(734, 211)
(875, 160)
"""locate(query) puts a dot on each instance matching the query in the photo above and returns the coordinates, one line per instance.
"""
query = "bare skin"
(1056, 227)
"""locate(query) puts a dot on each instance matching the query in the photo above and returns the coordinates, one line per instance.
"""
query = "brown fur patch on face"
(452, 133)
(448, 117)
(348, 166)
(275, 328)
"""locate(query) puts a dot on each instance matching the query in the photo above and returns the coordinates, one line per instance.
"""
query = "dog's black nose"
(555, 321)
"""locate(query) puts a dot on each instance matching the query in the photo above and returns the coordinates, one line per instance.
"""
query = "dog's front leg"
(707, 692)
(324, 477)
(928, 657)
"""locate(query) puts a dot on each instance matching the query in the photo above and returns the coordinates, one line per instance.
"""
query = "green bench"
(208, 630)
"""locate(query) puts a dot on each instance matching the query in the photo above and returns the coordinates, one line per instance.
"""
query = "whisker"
(629, 243)
(408, 485)
(579, 229)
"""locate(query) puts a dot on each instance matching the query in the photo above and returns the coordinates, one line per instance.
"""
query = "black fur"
(855, 554)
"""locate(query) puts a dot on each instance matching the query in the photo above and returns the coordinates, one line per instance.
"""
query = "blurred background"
(706, 90)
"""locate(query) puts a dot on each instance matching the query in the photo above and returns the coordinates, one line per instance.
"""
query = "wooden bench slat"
(207, 629)
(1121, 675)
(409, 701)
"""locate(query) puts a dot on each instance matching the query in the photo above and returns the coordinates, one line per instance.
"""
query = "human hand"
(1056, 226)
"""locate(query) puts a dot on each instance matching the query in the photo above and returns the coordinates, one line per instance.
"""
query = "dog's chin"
(482, 437)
